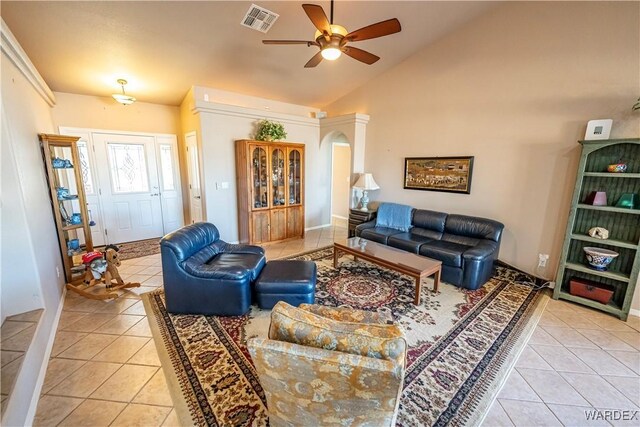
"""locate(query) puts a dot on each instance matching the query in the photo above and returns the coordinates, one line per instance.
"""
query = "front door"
(130, 190)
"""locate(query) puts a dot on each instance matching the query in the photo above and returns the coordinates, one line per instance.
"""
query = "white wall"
(30, 259)
(341, 179)
(222, 124)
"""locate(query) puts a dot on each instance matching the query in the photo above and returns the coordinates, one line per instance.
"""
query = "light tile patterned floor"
(104, 368)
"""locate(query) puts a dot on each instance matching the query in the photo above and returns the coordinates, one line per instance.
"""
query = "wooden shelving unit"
(64, 147)
(623, 225)
(270, 184)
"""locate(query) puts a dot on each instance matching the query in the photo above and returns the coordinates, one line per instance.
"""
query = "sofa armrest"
(364, 226)
(243, 249)
(483, 250)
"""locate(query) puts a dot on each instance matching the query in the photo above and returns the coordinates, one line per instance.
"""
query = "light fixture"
(123, 98)
(365, 183)
(331, 47)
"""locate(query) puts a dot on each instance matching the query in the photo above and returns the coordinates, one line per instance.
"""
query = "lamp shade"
(366, 182)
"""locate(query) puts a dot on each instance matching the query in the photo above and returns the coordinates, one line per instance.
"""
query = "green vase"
(628, 200)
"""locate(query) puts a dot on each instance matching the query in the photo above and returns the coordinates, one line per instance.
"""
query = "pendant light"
(123, 98)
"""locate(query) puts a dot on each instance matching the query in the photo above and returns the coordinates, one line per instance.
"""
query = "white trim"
(252, 113)
(346, 119)
(634, 312)
(317, 226)
(10, 46)
(340, 217)
(111, 132)
(33, 405)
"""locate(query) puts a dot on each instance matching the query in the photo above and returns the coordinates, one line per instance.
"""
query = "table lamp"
(365, 183)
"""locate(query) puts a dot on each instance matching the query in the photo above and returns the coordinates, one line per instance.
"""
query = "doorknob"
(155, 194)
(196, 197)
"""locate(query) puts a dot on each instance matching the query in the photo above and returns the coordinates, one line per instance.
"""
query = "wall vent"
(259, 18)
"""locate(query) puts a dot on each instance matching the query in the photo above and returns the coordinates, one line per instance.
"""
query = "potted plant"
(270, 131)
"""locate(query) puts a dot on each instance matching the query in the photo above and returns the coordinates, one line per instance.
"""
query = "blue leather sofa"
(206, 275)
(467, 246)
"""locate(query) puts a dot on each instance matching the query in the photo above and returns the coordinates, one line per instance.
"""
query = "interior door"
(170, 190)
(193, 172)
(130, 188)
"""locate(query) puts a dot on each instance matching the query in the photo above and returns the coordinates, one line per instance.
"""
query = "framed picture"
(451, 174)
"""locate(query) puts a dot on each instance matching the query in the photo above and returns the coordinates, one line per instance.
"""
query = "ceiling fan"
(333, 39)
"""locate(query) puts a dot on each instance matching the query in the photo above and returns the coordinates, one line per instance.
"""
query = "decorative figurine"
(599, 233)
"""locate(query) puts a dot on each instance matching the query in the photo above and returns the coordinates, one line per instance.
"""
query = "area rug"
(138, 249)
(461, 344)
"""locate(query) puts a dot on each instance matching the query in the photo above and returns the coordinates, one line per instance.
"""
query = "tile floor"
(104, 368)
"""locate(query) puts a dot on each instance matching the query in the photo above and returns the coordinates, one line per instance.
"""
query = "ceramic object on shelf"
(599, 233)
(628, 200)
(76, 219)
(617, 168)
(597, 198)
(599, 258)
(63, 193)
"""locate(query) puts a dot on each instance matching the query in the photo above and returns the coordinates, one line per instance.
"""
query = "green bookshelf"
(623, 225)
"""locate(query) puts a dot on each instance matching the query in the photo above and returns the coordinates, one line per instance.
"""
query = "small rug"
(138, 249)
(462, 344)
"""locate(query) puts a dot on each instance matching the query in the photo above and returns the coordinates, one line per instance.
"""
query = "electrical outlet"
(58, 271)
(542, 260)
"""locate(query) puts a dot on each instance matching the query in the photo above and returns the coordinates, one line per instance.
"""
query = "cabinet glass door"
(277, 177)
(259, 180)
(295, 174)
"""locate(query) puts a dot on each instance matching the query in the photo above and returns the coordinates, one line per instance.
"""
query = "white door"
(193, 168)
(170, 189)
(91, 184)
(130, 187)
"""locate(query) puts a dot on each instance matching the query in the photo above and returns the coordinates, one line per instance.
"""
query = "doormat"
(462, 344)
(137, 249)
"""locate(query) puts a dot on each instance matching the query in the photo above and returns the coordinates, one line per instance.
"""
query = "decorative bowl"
(617, 167)
(599, 258)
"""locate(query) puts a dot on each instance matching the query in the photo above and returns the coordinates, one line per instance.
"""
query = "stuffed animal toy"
(96, 266)
(113, 262)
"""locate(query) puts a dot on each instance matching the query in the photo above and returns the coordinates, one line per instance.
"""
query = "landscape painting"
(438, 173)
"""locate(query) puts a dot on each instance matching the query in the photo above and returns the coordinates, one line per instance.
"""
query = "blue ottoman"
(293, 282)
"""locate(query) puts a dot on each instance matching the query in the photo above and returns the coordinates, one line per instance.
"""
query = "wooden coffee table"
(401, 261)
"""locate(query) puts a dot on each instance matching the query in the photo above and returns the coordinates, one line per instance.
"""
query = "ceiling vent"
(259, 18)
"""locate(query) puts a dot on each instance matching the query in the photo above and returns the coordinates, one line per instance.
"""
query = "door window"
(85, 169)
(166, 165)
(128, 168)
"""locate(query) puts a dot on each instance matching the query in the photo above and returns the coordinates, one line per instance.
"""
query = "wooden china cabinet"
(270, 183)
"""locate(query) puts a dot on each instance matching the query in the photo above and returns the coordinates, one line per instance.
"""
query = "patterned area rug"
(461, 344)
(138, 249)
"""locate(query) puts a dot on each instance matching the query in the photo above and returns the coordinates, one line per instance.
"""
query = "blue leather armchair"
(206, 275)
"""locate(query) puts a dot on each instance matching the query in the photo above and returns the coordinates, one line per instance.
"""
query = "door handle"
(196, 197)
(155, 194)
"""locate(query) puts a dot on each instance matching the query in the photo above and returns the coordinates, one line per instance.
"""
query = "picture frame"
(449, 174)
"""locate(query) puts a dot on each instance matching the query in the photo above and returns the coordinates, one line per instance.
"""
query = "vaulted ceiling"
(163, 48)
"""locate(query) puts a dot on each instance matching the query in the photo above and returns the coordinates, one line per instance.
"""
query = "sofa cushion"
(379, 234)
(473, 227)
(190, 239)
(228, 266)
(410, 242)
(348, 314)
(297, 326)
(449, 253)
(429, 220)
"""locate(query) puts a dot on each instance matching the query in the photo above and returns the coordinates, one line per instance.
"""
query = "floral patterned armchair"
(330, 367)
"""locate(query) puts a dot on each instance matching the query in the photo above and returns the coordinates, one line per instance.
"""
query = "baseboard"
(43, 368)
(317, 226)
(340, 217)
(634, 312)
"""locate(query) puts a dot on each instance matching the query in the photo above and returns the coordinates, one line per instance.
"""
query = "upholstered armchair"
(206, 275)
(323, 366)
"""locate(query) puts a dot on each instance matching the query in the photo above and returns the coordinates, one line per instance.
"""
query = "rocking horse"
(102, 267)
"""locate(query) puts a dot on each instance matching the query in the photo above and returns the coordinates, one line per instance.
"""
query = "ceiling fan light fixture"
(123, 98)
(331, 53)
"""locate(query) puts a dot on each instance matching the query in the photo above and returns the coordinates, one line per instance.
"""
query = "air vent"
(259, 18)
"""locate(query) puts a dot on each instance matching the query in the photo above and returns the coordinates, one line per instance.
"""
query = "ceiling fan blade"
(360, 55)
(372, 31)
(308, 43)
(317, 58)
(318, 17)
